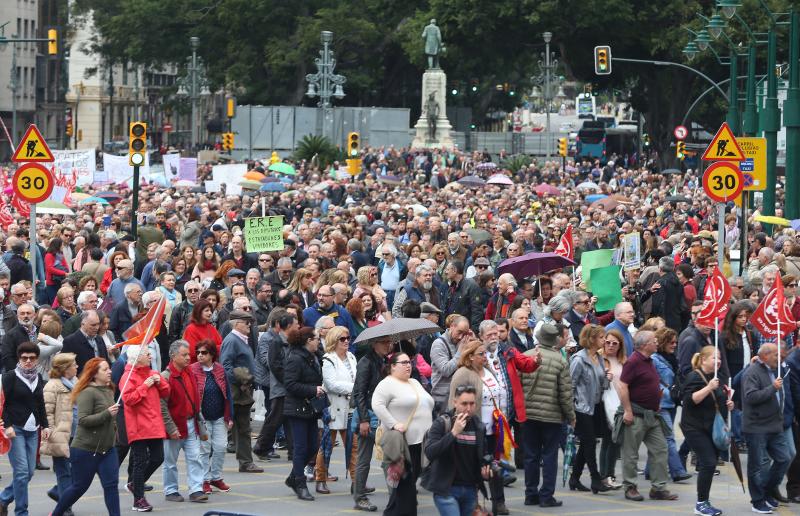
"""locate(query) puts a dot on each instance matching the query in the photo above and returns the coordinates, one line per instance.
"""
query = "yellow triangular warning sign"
(32, 147)
(724, 146)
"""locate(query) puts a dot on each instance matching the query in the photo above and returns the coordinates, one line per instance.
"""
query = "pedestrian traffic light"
(680, 150)
(52, 42)
(227, 141)
(137, 143)
(562, 147)
(353, 145)
(602, 60)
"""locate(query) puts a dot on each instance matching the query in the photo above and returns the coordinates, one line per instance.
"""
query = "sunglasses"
(203, 352)
(192, 290)
(344, 338)
(246, 309)
(461, 389)
(28, 358)
(792, 285)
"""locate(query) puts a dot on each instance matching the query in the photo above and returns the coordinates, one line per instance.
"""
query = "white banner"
(118, 171)
(230, 176)
(172, 166)
(81, 163)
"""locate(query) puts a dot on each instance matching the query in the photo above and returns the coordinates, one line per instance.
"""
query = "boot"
(598, 486)
(289, 482)
(322, 488)
(301, 489)
(575, 485)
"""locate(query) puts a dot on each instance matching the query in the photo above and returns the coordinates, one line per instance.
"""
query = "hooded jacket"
(143, 404)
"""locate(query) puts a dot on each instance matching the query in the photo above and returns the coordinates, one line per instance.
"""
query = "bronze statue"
(433, 44)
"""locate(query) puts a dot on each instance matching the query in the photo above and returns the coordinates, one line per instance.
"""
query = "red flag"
(566, 247)
(146, 328)
(773, 310)
(716, 296)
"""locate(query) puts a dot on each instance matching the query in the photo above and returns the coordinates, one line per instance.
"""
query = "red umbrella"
(547, 189)
(534, 264)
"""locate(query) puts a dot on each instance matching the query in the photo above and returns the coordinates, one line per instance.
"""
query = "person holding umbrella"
(703, 397)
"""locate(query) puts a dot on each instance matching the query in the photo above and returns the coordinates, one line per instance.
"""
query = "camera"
(497, 466)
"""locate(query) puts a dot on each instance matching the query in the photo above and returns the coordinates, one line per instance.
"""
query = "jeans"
(304, 433)
(707, 456)
(22, 457)
(461, 501)
(736, 426)
(191, 452)
(146, 456)
(84, 466)
(63, 471)
(212, 451)
(609, 453)
(762, 478)
(541, 456)
(365, 447)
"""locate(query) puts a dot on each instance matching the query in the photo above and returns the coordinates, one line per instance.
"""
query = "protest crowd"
(463, 324)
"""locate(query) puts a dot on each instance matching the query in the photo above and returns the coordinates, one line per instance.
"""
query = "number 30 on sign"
(33, 183)
(723, 181)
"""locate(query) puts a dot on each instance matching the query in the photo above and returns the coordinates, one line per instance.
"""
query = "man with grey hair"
(445, 355)
(163, 257)
(667, 292)
(640, 396)
(757, 267)
(282, 275)
(87, 300)
(768, 275)
(391, 272)
(623, 319)
(419, 288)
(182, 314)
(500, 302)
(84, 342)
(123, 315)
(181, 418)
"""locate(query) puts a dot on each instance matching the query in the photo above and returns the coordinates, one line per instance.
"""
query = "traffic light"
(68, 122)
(230, 107)
(137, 143)
(227, 141)
(52, 42)
(353, 145)
(680, 150)
(562, 147)
(602, 60)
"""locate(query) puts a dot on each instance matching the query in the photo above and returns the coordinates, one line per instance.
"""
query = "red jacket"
(182, 398)
(194, 333)
(143, 404)
(504, 302)
(517, 362)
(50, 269)
(222, 382)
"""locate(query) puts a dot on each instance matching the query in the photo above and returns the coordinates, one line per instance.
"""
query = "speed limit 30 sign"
(33, 183)
(723, 181)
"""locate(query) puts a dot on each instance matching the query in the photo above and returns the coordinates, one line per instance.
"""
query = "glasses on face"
(247, 309)
(439, 252)
(263, 260)
(320, 294)
(610, 342)
(344, 338)
(190, 290)
(202, 352)
(792, 285)
(403, 362)
(28, 358)
(386, 254)
(266, 292)
(481, 266)
(584, 302)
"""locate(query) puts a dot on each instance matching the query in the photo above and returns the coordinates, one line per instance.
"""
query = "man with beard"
(419, 288)
(25, 331)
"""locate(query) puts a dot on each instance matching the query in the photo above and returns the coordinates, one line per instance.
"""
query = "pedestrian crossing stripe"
(32, 148)
(724, 146)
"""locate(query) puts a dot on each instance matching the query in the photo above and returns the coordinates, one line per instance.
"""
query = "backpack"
(425, 462)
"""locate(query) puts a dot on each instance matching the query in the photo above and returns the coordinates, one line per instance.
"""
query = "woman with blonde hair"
(61, 418)
(703, 397)
(338, 378)
(614, 358)
(301, 287)
(367, 281)
(653, 324)
(589, 379)
(49, 341)
(66, 303)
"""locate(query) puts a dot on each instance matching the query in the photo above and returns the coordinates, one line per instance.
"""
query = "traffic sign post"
(33, 183)
(723, 181)
(680, 132)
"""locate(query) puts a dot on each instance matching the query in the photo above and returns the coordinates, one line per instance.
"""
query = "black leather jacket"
(369, 372)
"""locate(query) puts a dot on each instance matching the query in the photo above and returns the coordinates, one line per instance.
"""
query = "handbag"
(320, 403)
(720, 433)
(480, 509)
(378, 451)
(199, 420)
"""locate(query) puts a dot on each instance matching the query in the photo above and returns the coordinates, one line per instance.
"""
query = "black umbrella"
(737, 463)
(401, 328)
(677, 198)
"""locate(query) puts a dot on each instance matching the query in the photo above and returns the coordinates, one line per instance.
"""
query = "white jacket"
(338, 381)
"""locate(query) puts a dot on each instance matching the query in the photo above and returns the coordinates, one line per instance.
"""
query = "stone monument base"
(434, 82)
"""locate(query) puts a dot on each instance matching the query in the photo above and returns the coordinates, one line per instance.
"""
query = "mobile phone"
(107, 220)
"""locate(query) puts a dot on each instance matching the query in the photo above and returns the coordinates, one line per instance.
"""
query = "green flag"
(607, 287)
(593, 260)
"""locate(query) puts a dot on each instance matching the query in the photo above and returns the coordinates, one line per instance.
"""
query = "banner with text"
(263, 234)
(177, 168)
(119, 171)
(79, 164)
(230, 175)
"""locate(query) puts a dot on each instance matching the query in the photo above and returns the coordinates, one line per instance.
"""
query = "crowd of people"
(518, 368)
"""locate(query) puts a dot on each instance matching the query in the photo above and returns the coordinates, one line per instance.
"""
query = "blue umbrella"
(795, 224)
(595, 197)
(286, 180)
(273, 187)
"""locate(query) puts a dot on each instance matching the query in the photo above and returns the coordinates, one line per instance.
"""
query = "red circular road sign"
(167, 127)
(723, 181)
(33, 182)
(680, 132)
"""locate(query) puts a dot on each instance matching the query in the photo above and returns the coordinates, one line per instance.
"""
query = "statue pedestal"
(434, 81)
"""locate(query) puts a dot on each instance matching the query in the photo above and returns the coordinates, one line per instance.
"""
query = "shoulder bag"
(720, 433)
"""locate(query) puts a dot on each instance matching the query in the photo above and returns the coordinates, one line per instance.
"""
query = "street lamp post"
(770, 122)
(320, 83)
(549, 65)
(193, 72)
(791, 119)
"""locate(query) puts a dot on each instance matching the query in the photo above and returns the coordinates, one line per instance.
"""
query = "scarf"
(69, 384)
(29, 374)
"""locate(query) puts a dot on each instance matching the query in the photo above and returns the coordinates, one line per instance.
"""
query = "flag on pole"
(772, 318)
(716, 296)
(566, 246)
(146, 328)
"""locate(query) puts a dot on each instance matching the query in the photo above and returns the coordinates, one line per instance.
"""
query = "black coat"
(78, 344)
(302, 375)
(464, 300)
(515, 341)
(369, 372)
(11, 342)
(20, 269)
(120, 320)
(181, 316)
(440, 446)
(669, 302)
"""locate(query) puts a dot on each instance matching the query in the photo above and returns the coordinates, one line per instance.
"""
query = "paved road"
(265, 494)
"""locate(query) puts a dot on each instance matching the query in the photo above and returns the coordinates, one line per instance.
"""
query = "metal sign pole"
(721, 236)
(32, 247)
(135, 206)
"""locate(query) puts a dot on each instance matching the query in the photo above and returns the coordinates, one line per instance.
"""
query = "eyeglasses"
(188, 290)
(439, 252)
(203, 352)
(264, 260)
(792, 285)
(344, 338)
(266, 292)
(612, 342)
(403, 362)
(386, 254)
(28, 358)
(320, 294)
(481, 266)
(461, 389)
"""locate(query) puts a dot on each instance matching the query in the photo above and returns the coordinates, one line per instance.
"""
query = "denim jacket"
(667, 376)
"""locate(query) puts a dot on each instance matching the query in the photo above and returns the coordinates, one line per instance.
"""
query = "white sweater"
(394, 400)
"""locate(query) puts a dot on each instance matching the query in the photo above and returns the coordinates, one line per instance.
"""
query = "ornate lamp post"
(325, 84)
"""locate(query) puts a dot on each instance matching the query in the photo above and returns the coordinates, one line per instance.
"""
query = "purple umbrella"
(500, 179)
(472, 181)
(534, 264)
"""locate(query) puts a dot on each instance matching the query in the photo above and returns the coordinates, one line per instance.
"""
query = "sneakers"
(141, 505)
(363, 504)
(173, 497)
(761, 508)
(207, 488)
(706, 509)
(309, 472)
(772, 502)
(220, 485)
(198, 497)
